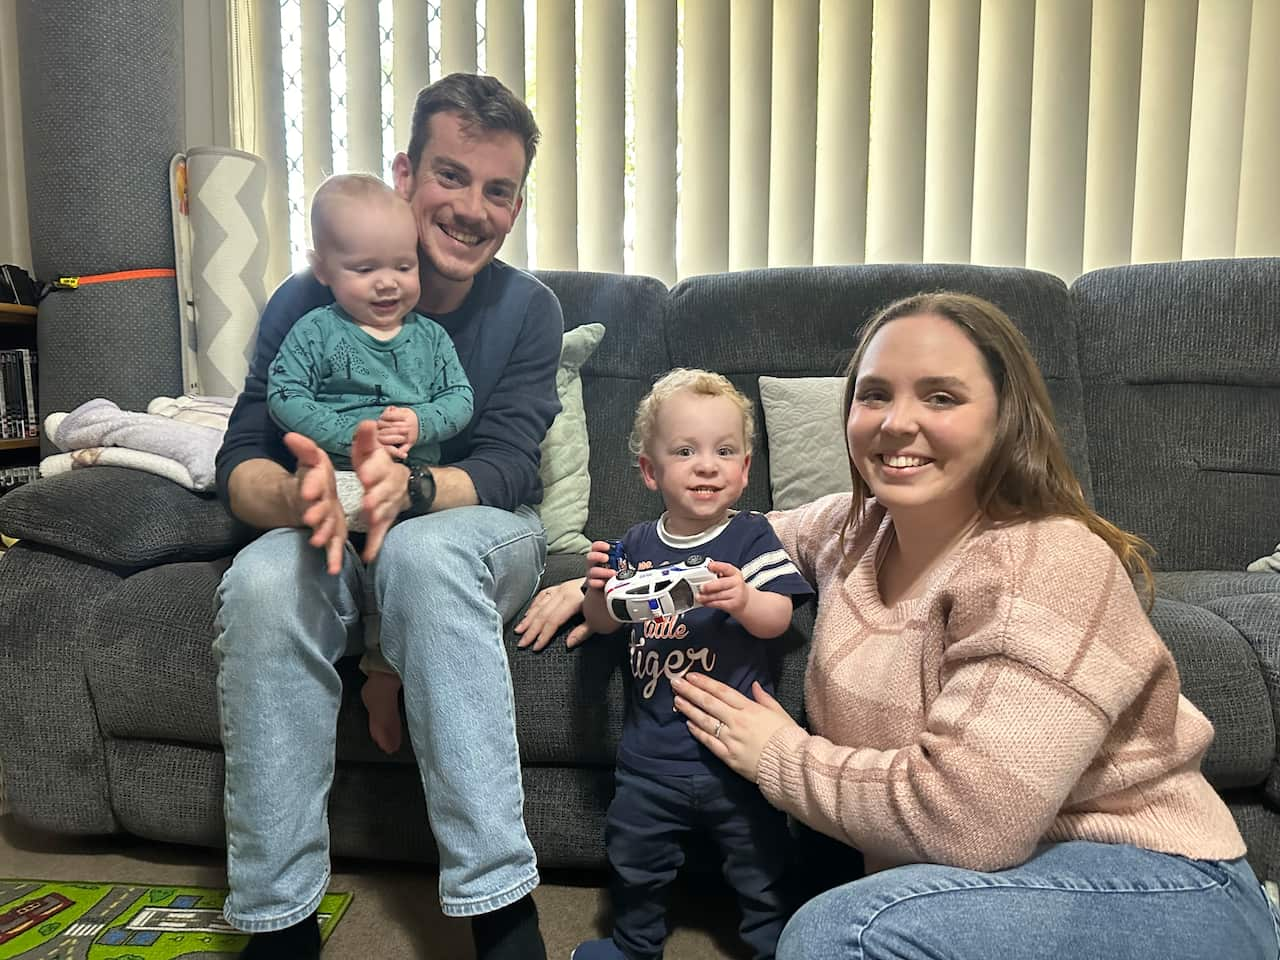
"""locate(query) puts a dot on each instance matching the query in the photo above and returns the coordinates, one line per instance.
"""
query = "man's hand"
(398, 431)
(385, 483)
(317, 495)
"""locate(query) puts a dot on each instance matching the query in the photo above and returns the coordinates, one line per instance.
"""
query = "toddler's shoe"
(597, 950)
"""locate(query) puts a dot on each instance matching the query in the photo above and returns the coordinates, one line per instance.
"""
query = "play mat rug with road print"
(54, 920)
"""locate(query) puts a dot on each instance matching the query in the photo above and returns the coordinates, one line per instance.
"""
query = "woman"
(994, 723)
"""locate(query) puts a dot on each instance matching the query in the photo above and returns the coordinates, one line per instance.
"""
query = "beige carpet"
(395, 913)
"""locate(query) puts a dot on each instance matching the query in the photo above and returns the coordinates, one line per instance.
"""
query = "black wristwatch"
(422, 490)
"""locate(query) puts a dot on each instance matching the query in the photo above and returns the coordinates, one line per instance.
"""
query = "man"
(463, 558)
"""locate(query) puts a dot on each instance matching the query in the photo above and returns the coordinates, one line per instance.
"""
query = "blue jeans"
(445, 585)
(1070, 900)
(650, 819)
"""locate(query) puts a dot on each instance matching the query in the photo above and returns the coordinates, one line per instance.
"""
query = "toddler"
(692, 438)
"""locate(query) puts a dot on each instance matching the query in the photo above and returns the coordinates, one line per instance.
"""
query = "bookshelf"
(17, 332)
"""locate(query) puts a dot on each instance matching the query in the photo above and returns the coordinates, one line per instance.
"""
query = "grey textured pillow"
(566, 485)
(805, 425)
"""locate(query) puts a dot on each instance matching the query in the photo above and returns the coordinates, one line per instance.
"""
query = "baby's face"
(372, 263)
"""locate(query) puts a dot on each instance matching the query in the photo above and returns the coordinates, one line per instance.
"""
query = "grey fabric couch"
(1166, 383)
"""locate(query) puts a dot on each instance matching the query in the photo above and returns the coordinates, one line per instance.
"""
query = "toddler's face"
(697, 459)
(372, 264)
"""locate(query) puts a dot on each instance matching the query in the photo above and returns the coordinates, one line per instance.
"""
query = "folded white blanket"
(178, 438)
(118, 457)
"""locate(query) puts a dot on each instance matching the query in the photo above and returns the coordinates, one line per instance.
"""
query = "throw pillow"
(805, 425)
(566, 485)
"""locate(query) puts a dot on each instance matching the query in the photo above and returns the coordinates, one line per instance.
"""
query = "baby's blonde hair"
(704, 383)
(342, 188)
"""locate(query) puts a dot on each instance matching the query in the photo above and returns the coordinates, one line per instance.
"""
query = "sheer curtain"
(690, 136)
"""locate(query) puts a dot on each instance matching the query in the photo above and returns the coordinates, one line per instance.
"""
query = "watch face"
(422, 489)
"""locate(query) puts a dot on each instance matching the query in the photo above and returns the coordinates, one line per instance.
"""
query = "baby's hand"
(398, 430)
(598, 570)
(728, 592)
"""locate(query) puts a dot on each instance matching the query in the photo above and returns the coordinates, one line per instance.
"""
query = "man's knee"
(271, 568)
(270, 581)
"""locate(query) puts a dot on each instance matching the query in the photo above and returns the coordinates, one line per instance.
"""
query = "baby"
(369, 356)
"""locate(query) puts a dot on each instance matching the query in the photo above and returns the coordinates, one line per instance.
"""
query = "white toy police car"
(633, 596)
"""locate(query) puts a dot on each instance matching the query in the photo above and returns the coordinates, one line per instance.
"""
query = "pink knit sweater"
(1023, 697)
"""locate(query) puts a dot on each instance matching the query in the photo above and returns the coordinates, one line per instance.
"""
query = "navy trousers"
(648, 823)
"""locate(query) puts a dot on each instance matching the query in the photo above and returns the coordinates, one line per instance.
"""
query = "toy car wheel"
(626, 573)
(696, 560)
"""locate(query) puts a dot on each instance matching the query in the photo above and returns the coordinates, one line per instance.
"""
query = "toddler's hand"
(728, 592)
(598, 570)
(398, 430)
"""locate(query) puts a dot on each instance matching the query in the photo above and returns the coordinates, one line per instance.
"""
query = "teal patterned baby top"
(330, 375)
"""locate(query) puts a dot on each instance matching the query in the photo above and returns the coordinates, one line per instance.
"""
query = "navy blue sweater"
(507, 333)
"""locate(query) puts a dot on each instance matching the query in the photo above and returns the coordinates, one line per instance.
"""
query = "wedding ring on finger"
(716, 732)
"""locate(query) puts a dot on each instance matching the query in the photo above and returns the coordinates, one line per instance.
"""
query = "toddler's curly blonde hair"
(704, 383)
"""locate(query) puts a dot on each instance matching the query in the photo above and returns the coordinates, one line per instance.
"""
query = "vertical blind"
(692, 136)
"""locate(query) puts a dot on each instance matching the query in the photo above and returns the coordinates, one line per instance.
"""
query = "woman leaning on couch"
(993, 721)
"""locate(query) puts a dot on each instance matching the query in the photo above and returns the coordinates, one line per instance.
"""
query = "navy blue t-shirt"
(654, 736)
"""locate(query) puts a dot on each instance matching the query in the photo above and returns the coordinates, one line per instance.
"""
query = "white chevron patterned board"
(226, 263)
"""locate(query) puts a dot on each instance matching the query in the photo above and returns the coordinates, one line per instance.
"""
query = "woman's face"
(923, 418)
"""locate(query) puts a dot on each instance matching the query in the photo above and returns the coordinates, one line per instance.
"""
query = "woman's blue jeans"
(1071, 901)
(445, 585)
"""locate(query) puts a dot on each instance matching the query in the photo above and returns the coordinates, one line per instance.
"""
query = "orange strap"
(71, 283)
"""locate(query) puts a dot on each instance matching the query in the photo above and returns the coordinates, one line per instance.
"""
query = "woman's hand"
(550, 610)
(733, 727)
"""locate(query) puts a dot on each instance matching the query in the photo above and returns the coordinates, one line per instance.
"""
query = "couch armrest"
(124, 519)
(50, 741)
(1204, 586)
(1222, 676)
(1256, 617)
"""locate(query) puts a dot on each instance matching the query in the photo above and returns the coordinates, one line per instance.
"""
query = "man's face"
(465, 196)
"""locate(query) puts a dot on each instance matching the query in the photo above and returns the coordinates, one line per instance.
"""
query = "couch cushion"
(804, 321)
(121, 518)
(1182, 399)
(804, 423)
(566, 483)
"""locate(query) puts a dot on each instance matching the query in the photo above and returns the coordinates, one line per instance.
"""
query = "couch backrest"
(804, 322)
(1181, 371)
(631, 355)
(794, 322)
